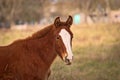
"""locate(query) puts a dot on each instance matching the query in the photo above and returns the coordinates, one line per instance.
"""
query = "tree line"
(27, 10)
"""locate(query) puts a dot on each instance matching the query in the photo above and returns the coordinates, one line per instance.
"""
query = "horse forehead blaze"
(66, 38)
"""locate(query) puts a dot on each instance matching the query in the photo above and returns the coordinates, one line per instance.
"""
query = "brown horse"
(31, 58)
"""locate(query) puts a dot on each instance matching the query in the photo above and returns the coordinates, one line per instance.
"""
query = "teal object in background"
(77, 19)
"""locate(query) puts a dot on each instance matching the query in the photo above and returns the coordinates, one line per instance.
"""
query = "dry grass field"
(96, 51)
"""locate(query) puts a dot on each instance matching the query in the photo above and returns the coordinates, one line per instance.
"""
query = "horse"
(31, 58)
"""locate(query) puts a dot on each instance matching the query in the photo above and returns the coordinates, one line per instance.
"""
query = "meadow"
(96, 51)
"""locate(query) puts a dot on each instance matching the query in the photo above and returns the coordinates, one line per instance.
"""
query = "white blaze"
(66, 40)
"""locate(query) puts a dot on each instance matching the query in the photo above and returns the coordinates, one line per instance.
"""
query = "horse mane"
(42, 32)
(39, 34)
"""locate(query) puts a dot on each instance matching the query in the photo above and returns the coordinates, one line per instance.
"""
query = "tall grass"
(96, 51)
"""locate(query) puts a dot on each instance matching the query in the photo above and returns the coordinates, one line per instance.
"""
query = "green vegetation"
(96, 53)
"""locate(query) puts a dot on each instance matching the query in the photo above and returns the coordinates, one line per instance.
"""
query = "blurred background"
(15, 12)
(96, 29)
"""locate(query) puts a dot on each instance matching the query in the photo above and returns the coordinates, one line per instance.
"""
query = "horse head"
(63, 43)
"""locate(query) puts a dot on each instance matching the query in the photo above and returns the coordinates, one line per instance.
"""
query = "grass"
(96, 51)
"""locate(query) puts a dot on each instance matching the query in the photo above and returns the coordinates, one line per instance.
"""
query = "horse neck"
(45, 44)
(50, 47)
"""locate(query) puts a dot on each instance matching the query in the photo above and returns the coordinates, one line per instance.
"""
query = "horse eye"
(58, 37)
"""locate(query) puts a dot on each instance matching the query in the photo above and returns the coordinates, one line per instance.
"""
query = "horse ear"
(69, 20)
(57, 22)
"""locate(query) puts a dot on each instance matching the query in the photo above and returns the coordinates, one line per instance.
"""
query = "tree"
(87, 6)
(9, 9)
(26, 10)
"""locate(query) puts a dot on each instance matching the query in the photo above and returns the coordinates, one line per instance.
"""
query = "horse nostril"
(69, 57)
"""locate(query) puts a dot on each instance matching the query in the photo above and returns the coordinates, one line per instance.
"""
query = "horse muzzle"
(68, 61)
